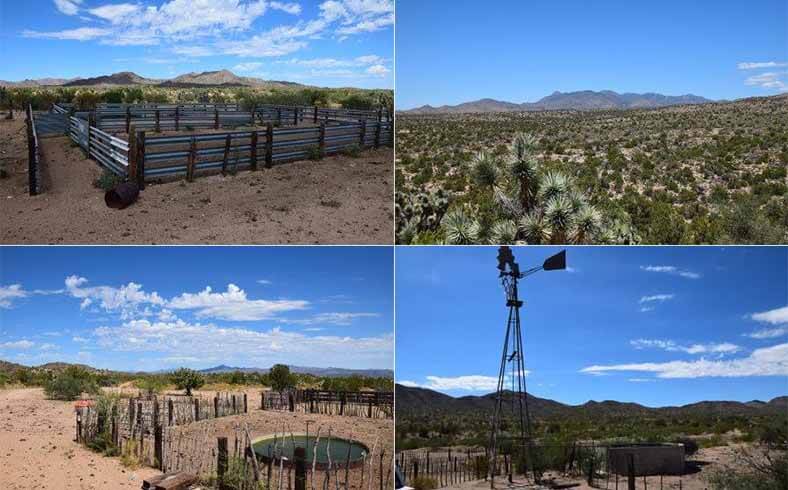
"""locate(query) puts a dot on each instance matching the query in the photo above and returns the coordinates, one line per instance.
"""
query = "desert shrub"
(280, 377)
(756, 469)
(102, 442)
(237, 477)
(352, 151)
(690, 445)
(423, 483)
(70, 384)
(107, 180)
(130, 458)
(150, 385)
(187, 379)
(314, 153)
(4, 380)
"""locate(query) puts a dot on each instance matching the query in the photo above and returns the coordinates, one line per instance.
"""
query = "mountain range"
(414, 402)
(10, 367)
(219, 78)
(582, 100)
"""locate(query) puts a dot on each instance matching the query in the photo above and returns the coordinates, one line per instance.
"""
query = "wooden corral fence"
(199, 453)
(378, 405)
(145, 156)
(153, 157)
(35, 184)
(137, 425)
(587, 461)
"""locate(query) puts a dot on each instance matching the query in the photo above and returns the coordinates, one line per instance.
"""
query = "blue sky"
(149, 308)
(458, 51)
(654, 325)
(326, 43)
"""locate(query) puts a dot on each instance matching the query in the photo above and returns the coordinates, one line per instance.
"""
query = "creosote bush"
(70, 384)
(187, 379)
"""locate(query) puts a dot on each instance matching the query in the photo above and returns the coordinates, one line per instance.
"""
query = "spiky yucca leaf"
(523, 146)
(509, 206)
(534, 228)
(484, 169)
(503, 232)
(554, 184)
(587, 225)
(559, 216)
(460, 228)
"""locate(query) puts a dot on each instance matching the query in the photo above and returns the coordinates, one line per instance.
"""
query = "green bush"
(107, 180)
(423, 483)
(187, 379)
(352, 151)
(314, 153)
(70, 384)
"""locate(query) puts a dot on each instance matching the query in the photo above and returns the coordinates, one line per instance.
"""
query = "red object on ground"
(84, 403)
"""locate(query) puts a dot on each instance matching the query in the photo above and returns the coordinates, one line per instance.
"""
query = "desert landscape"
(51, 441)
(633, 168)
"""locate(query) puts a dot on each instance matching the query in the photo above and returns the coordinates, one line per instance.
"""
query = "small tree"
(188, 379)
(281, 378)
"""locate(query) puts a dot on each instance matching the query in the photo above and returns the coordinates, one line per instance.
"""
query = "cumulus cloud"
(769, 80)
(769, 361)
(233, 304)
(672, 270)
(472, 382)
(68, 7)
(671, 346)
(210, 343)
(17, 344)
(127, 300)
(777, 317)
(10, 293)
(760, 64)
(378, 70)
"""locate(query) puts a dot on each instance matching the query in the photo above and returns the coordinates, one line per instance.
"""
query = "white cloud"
(777, 316)
(68, 7)
(80, 340)
(472, 382)
(671, 346)
(769, 361)
(10, 293)
(251, 66)
(640, 380)
(331, 319)
(770, 80)
(211, 343)
(656, 297)
(290, 8)
(378, 70)
(764, 64)
(79, 34)
(116, 13)
(670, 269)
(233, 305)
(410, 384)
(126, 299)
(17, 344)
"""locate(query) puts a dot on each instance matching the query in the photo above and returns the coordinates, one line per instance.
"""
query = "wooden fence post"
(630, 471)
(295, 117)
(216, 119)
(157, 436)
(177, 118)
(290, 402)
(300, 468)
(279, 116)
(322, 140)
(170, 409)
(262, 400)
(128, 119)
(314, 120)
(253, 152)
(158, 126)
(196, 409)
(140, 159)
(269, 145)
(91, 122)
(377, 135)
(31, 154)
(192, 158)
(380, 115)
(246, 407)
(363, 136)
(221, 462)
(79, 425)
(216, 408)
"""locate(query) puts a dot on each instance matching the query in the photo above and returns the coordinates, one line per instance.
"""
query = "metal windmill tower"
(512, 367)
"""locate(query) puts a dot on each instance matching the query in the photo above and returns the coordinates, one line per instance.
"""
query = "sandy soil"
(37, 448)
(334, 201)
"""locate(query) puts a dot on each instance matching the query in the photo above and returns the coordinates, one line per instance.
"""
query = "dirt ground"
(37, 448)
(699, 466)
(338, 200)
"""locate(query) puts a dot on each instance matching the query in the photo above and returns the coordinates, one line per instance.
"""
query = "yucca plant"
(460, 227)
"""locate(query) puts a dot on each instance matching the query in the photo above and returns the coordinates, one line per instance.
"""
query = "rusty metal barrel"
(122, 195)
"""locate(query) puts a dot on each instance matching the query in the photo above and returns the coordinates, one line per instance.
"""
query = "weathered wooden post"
(377, 135)
(221, 462)
(291, 402)
(314, 119)
(215, 118)
(300, 468)
(196, 409)
(157, 436)
(91, 124)
(216, 406)
(630, 471)
(177, 118)
(253, 152)
(191, 161)
(170, 410)
(322, 140)
(380, 114)
(262, 400)
(363, 135)
(279, 116)
(79, 425)
(158, 125)
(141, 160)
(234, 405)
(269, 145)
(128, 119)
(295, 117)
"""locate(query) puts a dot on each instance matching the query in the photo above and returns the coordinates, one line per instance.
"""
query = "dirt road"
(332, 201)
(37, 448)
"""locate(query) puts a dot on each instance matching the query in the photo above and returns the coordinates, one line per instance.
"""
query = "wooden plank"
(253, 151)
(192, 158)
(269, 145)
